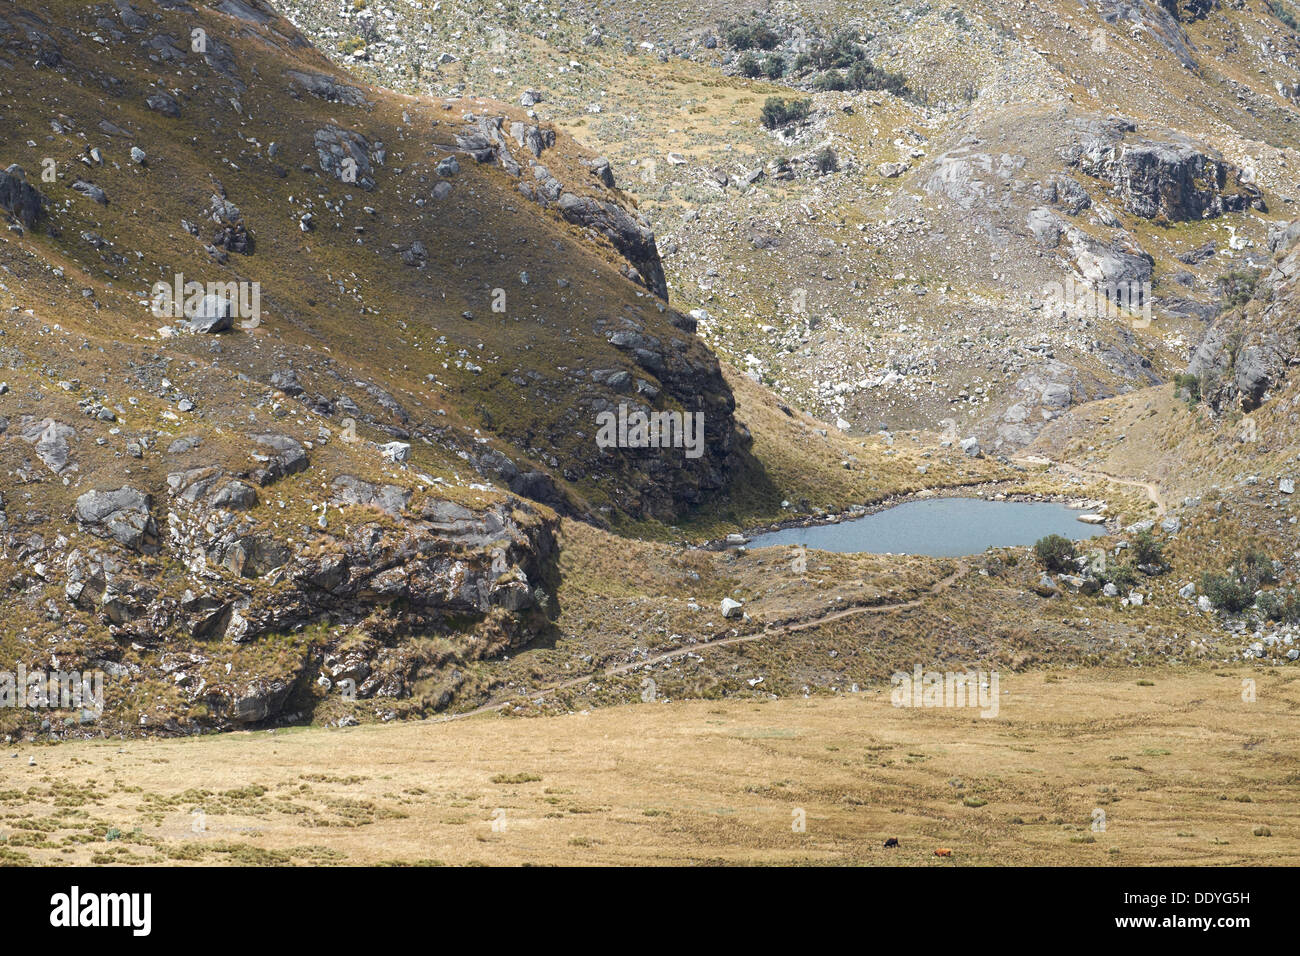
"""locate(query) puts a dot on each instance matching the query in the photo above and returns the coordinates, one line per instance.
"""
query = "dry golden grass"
(1183, 768)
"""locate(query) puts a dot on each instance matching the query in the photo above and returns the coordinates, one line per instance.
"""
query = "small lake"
(940, 527)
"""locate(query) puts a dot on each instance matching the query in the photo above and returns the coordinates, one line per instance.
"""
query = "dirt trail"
(1152, 488)
(770, 631)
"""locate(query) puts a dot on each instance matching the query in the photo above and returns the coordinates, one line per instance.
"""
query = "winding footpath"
(768, 632)
(1152, 488)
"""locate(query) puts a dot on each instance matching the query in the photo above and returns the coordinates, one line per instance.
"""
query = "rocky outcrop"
(1247, 352)
(19, 198)
(327, 88)
(348, 156)
(1176, 181)
(50, 441)
(632, 237)
(486, 140)
(279, 456)
(122, 515)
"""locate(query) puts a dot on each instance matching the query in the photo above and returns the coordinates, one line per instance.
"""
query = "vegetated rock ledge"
(240, 622)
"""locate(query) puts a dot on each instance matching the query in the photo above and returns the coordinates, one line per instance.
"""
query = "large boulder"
(49, 439)
(346, 155)
(259, 701)
(122, 515)
(279, 456)
(19, 198)
(213, 314)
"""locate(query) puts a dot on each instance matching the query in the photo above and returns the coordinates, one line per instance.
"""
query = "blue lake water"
(940, 527)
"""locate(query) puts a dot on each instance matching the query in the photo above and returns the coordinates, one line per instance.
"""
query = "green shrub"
(826, 161)
(840, 53)
(1189, 384)
(1256, 568)
(779, 111)
(1234, 590)
(831, 80)
(1236, 287)
(1227, 592)
(1123, 576)
(749, 36)
(1283, 14)
(1147, 549)
(749, 67)
(1280, 606)
(1056, 553)
(774, 67)
(863, 76)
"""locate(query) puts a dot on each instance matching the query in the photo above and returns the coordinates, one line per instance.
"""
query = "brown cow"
(943, 851)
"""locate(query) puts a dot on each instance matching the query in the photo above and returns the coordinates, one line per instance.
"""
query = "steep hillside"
(299, 376)
(906, 248)
(211, 502)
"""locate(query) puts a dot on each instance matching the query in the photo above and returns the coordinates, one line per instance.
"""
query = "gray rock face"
(231, 233)
(327, 88)
(122, 515)
(535, 139)
(349, 490)
(1252, 377)
(90, 191)
(485, 142)
(19, 198)
(49, 439)
(247, 10)
(415, 254)
(235, 496)
(280, 456)
(259, 701)
(601, 169)
(1116, 264)
(633, 238)
(346, 155)
(1282, 238)
(1066, 194)
(286, 380)
(1045, 225)
(1173, 180)
(163, 103)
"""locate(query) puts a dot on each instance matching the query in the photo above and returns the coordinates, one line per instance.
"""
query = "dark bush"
(1237, 287)
(1227, 592)
(779, 111)
(749, 36)
(826, 161)
(1056, 553)
(1280, 605)
(1147, 549)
